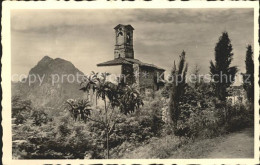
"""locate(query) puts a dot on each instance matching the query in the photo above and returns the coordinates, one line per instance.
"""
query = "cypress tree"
(248, 77)
(222, 73)
(178, 85)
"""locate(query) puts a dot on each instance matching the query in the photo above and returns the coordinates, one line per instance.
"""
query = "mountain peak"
(45, 60)
(60, 60)
(48, 90)
(48, 65)
(46, 57)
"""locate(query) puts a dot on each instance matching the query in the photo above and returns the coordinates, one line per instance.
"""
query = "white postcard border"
(6, 74)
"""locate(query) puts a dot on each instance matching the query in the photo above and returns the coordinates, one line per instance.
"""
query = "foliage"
(203, 123)
(203, 116)
(221, 72)
(211, 122)
(239, 116)
(21, 109)
(79, 109)
(129, 99)
(196, 97)
(39, 117)
(59, 139)
(126, 98)
(248, 77)
(177, 90)
(63, 138)
(137, 129)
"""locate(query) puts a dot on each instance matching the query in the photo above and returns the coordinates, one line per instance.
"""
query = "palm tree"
(126, 98)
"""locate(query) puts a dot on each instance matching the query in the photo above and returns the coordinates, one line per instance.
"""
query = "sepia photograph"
(135, 83)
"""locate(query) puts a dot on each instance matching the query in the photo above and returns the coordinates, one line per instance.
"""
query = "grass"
(157, 148)
(173, 147)
(198, 149)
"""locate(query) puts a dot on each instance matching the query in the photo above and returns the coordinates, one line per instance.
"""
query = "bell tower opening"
(124, 41)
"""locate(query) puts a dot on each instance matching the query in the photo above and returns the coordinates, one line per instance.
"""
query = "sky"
(86, 37)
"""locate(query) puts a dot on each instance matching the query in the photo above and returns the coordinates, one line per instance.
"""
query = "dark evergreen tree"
(221, 72)
(178, 84)
(248, 77)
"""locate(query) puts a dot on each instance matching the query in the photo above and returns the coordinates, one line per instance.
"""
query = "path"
(235, 145)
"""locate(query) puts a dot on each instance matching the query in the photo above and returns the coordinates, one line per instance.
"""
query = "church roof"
(116, 61)
(128, 61)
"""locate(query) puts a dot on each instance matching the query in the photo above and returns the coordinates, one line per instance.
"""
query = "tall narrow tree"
(248, 77)
(178, 84)
(222, 73)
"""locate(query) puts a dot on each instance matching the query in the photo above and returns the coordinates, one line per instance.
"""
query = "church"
(148, 77)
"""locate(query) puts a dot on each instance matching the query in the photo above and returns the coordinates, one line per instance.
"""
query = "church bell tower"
(124, 41)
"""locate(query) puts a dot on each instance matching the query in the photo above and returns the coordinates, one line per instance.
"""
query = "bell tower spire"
(124, 41)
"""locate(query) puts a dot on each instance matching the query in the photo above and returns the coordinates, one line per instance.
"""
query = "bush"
(213, 122)
(59, 139)
(21, 109)
(204, 124)
(39, 117)
(65, 138)
(21, 118)
(137, 128)
(239, 116)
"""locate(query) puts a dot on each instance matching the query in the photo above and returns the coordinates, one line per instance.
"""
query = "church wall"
(146, 78)
(128, 74)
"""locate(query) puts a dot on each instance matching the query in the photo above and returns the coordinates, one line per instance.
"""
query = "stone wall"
(146, 78)
(128, 74)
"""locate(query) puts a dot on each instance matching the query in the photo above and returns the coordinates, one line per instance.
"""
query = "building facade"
(147, 77)
(237, 94)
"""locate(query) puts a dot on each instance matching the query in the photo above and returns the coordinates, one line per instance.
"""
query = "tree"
(126, 98)
(21, 109)
(196, 79)
(19, 105)
(178, 84)
(222, 74)
(248, 77)
(129, 99)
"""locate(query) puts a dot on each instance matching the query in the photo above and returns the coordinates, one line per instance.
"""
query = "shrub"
(137, 128)
(239, 116)
(213, 122)
(21, 118)
(20, 109)
(202, 123)
(60, 139)
(64, 138)
(39, 117)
